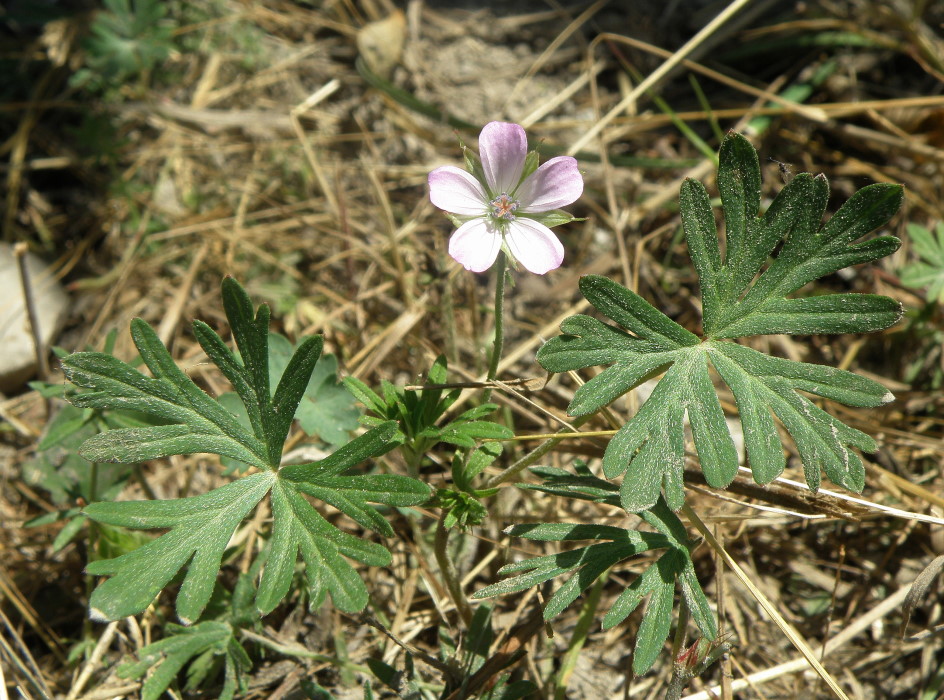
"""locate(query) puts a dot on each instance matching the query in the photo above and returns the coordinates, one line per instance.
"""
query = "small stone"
(17, 355)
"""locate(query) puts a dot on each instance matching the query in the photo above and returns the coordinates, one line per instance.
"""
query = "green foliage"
(204, 647)
(58, 468)
(922, 341)
(200, 527)
(128, 37)
(929, 273)
(238, 36)
(461, 503)
(417, 414)
(744, 292)
(470, 656)
(612, 545)
(326, 409)
(70, 479)
(460, 659)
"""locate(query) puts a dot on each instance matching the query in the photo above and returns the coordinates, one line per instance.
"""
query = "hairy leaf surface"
(745, 286)
(611, 546)
(199, 528)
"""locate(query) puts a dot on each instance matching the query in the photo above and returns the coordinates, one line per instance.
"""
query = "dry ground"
(257, 150)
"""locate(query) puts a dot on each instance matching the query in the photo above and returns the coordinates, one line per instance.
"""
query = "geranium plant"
(752, 280)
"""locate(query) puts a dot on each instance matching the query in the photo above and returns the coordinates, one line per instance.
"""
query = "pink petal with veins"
(475, 245)
(534, 245)
(456, 191)
(502, 149)
(555, 184)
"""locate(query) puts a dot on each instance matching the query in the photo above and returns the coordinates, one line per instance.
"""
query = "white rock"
(17, 355)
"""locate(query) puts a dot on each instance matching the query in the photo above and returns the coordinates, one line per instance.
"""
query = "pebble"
(17, 355)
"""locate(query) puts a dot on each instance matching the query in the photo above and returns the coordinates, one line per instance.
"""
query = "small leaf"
(364, 394)
(930, 272)
(613, 546)
(187, 645)
(467, 434)
(463, 473)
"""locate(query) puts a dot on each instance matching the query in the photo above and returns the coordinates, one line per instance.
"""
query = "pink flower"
(501, 204)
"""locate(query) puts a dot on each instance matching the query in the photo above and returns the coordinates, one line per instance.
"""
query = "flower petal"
(475, 245)
(457, 192)
(534, 245)
(555, 184)
(502, 149)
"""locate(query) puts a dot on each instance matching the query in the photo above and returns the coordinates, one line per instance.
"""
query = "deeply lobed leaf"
(744, 292)
(740, 297)
(200, 527)
(169, 395)
(614, 545)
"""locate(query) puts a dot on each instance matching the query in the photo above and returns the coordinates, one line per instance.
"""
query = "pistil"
(504, 207)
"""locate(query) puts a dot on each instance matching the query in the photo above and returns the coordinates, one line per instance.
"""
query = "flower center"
(504, 207)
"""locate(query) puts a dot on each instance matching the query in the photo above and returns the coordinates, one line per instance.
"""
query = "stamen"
(504, 207)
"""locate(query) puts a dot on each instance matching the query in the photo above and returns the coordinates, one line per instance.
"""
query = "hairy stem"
(536, 454)
(500, 267)
(681, 674)
(448, 571)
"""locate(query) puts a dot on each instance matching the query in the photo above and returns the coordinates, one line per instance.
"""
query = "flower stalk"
(499, 341)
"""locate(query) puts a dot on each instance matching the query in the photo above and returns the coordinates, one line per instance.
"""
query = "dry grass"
(259, 152)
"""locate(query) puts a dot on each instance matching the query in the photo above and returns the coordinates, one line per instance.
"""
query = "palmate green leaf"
(743, 293)
(128, 37)
(200, 527)
(197, 423)
(586, 564)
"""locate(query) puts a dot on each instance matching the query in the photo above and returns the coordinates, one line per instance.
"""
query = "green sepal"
(556, 217)
(531, 162)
